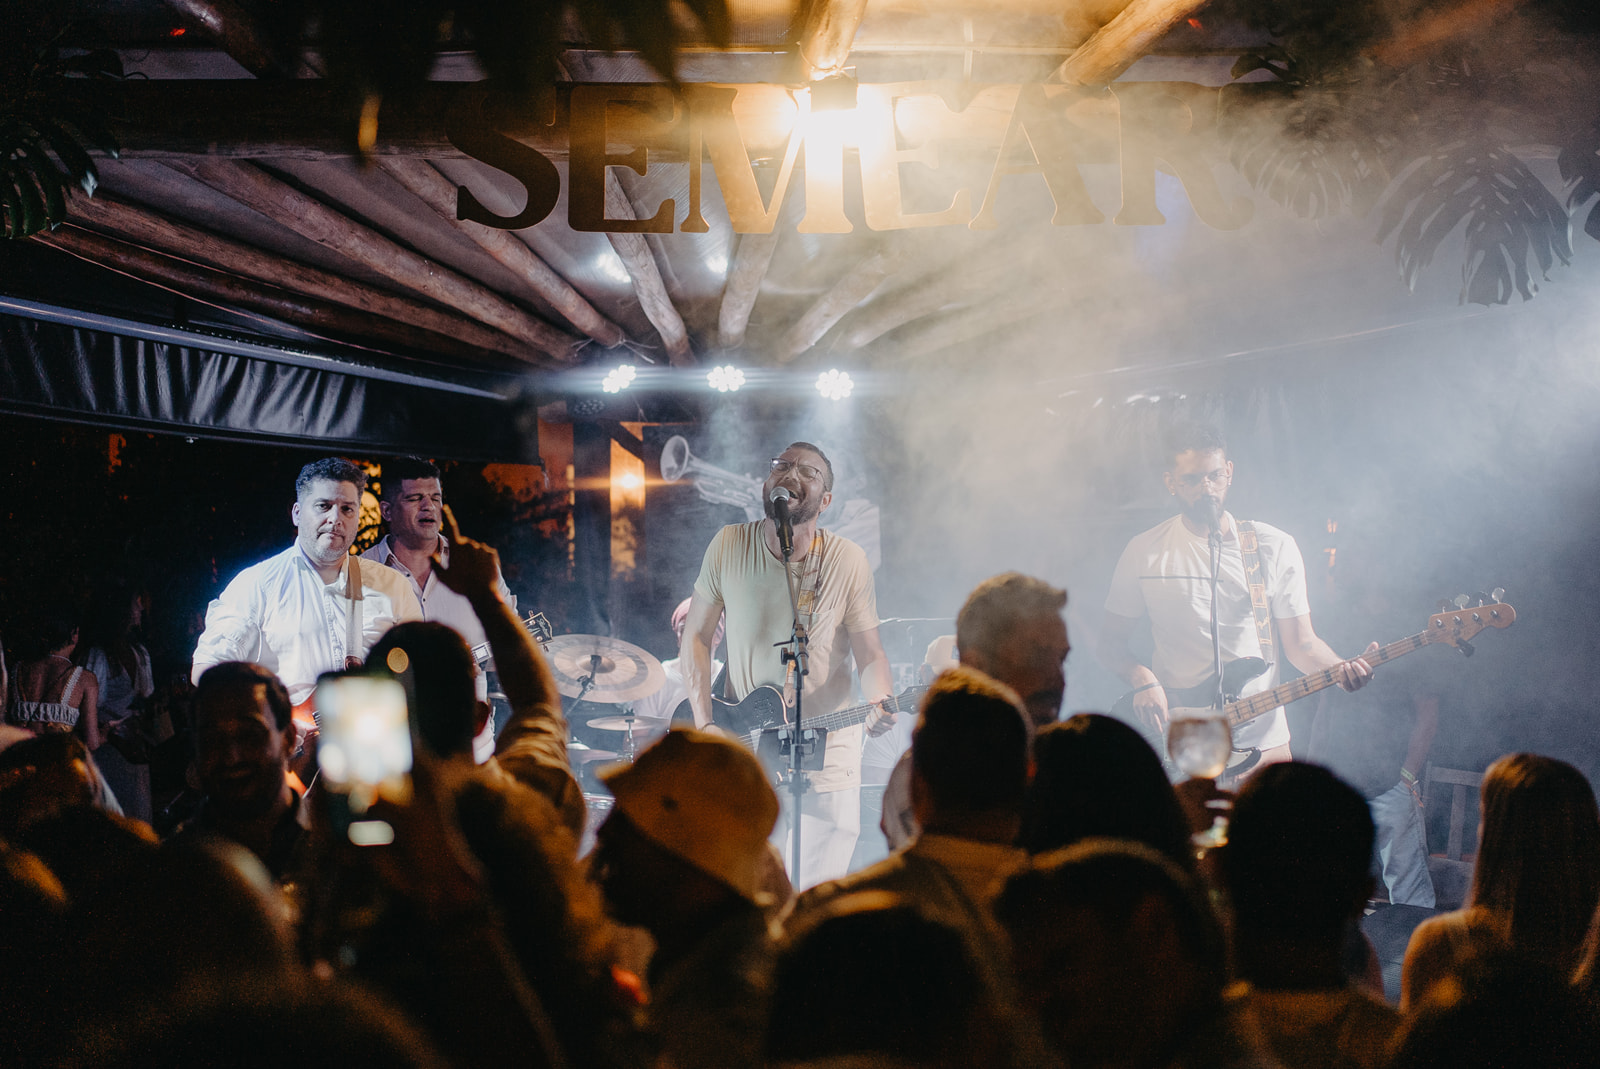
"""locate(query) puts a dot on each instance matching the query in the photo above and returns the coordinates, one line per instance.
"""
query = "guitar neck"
(904, 702)
(1257, 705)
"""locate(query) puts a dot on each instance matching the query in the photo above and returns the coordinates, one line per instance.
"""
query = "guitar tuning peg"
(1497, 594)
(1482, 597)
(1444, 606)
(1461, 601)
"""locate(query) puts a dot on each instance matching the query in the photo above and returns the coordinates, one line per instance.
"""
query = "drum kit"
(607, 671)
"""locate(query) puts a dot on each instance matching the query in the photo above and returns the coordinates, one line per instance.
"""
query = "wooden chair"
(1452, 870)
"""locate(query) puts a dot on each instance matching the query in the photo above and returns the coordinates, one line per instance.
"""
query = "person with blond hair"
(1536, 882)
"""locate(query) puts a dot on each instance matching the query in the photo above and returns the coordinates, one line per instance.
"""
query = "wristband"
(1407, 775)
(1147, 686)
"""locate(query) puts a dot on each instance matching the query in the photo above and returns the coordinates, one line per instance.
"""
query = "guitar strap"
(353, 591)
(1255, 577)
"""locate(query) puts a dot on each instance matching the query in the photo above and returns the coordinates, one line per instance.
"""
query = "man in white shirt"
(744, 574)
(413, 504)
(291, 613)
(663, 703)
(1166, 573)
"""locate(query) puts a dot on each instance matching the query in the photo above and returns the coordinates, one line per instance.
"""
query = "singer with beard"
(743, 575)
(1165, 573)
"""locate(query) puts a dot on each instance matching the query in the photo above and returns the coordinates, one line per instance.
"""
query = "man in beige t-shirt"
(743, 574)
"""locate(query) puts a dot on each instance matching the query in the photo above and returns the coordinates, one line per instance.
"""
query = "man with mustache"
(743, 574)
(296, 613)
(1166, 573)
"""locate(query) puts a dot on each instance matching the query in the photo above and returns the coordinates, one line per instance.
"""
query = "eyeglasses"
(1191, 482)
(807, 471)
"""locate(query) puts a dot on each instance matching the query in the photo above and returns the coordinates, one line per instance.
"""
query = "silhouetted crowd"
(1053, 907)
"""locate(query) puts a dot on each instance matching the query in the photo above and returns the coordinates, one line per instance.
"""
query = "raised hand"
(474, 567)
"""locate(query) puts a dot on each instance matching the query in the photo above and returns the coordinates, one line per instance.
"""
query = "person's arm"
(1307, 652)
(1115, 650)
(5, 680)
(533, 745)
(877, 681)
(1427, 726)
(89, 711)
(694, 656)
(233, 628)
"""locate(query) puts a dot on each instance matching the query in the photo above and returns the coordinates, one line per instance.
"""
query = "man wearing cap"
(743, 574)
(683, 854)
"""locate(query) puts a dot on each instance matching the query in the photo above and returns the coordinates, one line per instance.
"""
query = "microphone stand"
(1215, 538)
(798, 653)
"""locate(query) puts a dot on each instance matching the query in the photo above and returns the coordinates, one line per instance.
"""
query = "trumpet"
(713, 483)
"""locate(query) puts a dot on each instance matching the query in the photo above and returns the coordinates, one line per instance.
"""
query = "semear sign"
(754, 135)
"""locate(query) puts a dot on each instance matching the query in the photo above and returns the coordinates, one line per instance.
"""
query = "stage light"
(629, 480)
(618, 379)
(725, 379)
(834, 384)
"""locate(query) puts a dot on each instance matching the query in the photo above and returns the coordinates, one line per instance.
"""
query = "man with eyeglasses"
(743, 575)
(1166, 573)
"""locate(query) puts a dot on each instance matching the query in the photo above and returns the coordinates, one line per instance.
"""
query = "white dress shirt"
(280, 614)
(438, 601)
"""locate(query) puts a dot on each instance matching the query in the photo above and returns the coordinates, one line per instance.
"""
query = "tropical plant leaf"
(1507, 215)
(1579, 164)
(48, 181)
(79, 166)
(1304, 150)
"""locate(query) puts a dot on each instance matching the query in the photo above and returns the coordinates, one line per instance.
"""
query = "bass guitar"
(1454, 627)
(756, 719)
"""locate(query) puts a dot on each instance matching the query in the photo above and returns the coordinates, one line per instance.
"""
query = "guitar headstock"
(540, 628)
(1458, 622)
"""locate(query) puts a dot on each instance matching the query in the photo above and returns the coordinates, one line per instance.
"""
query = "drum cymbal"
(600, 669)
(584, 756)
(622, 723)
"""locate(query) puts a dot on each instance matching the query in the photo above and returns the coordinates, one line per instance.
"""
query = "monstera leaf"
(1509, 216)
(1579, 161)
(45, 134)
(1305, 149)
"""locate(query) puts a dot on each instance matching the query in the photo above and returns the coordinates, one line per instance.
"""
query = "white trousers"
(829, 824)
(1402, 847)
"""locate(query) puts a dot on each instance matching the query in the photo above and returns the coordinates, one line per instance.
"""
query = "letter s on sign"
(469, 129)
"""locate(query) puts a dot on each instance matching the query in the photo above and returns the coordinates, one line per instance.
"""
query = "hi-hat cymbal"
(623, 723)
(597, 668)
(583, 757)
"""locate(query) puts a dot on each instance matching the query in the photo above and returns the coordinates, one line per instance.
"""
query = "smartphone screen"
(365, 747)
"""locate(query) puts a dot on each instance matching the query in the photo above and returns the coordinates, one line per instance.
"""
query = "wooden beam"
(1421, 36)
(239, 34)
(856, 285)
(972, 323)
(310, 218)
(1123, 41)
(956, 282)
(231, 293)
(646, 274)
(751, 260)
(165, 234)
(827, 31)
(439, 193)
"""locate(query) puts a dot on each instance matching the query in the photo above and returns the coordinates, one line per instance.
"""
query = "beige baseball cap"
(704, 798)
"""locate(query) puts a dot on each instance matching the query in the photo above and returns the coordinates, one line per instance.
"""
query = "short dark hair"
(827, 465)
(338, 469)
(1111, 878)
(445, 700)
(998, 606)
(398, 470)
(970, 745)
(1096, 777)
(244, 674)
(1194, 437)
(1299, 851)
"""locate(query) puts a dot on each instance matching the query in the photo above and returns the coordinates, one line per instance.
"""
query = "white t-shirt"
(1166, 573)
(740, 574)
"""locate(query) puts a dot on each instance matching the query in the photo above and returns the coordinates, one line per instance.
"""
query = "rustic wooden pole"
(646, 274)
(1123, 41)
(310, 218)
(176, 238)
(950, 283)
(827, 30)
(239, 34)
(749, 268)
(439, 193)
(231, 293)
(854, 287)
(972, 323)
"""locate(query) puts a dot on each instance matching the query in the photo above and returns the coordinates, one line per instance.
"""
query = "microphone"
(780, 498)
(1213, 514)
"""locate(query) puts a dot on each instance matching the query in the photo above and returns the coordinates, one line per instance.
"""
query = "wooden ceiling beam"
(944, 332)
(1123, 41)
(854, 287)
(326, 320)
(956, 282)
(827, 32)
(176, 238)
(240, 35)
(751, 260)
(314, 220)
(423, 181)
(646, 274)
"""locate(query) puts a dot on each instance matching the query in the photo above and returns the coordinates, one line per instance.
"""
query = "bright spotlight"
(629, 481)
(834, 384)
(725, 379)
(619, 379)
